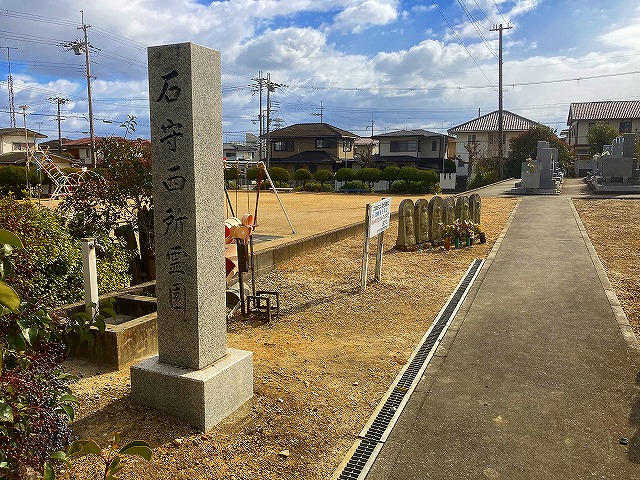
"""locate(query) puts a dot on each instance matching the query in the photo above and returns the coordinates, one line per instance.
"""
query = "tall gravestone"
(406, 229)
(435, 219)
(474, 207)
(421, 220)
(462, 208)
(194, 377)
(449, 210)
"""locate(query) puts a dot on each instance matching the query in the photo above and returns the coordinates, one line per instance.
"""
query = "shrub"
(279, 175)
(50, 266)
(449, 166)
(327, 188)
(390, 174)
(13, 180)
(355, 185)
(313, 187)
(481, 179)
(302, 175)
(323, 176)
(345, 175)
(369, 175)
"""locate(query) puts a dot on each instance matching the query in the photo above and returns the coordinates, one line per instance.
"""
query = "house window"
(325, 143)
(471, 138)
(283, 146)
(19, 146)
(625, 126)
(346, 145)
(404, 146)
(434, 145)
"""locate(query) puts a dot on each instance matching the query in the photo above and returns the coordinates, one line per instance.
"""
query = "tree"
(364, 156)
(345, 175)
(390, 174)
(279, 174)
(302, 175)
(526, 144)
(231, 173)
(322, 176)
(409, 174)
(119, 202)
(252, 174)
(369, 175)
(599, 135)
(429, 180)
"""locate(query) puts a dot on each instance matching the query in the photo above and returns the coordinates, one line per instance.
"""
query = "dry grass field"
(320, 368)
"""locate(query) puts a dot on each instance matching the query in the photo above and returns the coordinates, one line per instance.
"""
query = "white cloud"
(368, 13)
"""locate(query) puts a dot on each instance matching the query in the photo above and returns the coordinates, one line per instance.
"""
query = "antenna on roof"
(478, 113)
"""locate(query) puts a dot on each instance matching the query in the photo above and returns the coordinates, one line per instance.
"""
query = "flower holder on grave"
(194, 377)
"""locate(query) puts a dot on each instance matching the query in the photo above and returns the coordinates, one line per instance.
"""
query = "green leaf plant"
(112, 459)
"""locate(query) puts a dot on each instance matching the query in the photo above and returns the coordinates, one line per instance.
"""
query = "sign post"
(376, 222)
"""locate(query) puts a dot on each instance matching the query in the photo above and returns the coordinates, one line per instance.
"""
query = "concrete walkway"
(534, 379)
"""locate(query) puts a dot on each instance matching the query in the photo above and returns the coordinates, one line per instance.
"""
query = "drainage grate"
(384, 420)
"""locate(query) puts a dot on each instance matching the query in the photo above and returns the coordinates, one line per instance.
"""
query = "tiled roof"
(20, 131)
(489, 123)
(608, 110)
(409, 133)
(306, 130)
(309, 156)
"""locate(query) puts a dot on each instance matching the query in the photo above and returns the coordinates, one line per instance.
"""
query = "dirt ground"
(320, 368)
(613, 226)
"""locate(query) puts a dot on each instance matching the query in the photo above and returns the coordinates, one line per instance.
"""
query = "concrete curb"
(633, 345)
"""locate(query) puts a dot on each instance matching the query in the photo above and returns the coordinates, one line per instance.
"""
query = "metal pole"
(268, 156)
(379, 256)
(273, 187)
(59, 100)
(90, 274)
(365, 252)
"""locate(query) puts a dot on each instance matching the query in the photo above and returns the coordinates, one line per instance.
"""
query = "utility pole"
(260, 81)
(26, 145)
(371, 125)
(499, 28)
(271, 87)
(12, 104)
(59, 101)
(321, 112)
(78, 47)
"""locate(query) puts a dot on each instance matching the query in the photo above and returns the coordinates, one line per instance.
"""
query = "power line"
(475, 26)
(460, 40)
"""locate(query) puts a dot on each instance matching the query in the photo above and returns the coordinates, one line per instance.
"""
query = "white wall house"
(622, 115)
(15, 140)
(483, 133)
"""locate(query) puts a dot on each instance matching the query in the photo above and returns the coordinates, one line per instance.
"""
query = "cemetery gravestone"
(474, 207)
(194, 377)
(436, 205)
(449, 211)
(406, 229)
(421, 219)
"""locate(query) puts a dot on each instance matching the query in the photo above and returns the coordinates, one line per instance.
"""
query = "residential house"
(17, 139)
(313, 146)
(482, 134)
(623, 115)
(412, 148)
(81, 149)
(239, 151)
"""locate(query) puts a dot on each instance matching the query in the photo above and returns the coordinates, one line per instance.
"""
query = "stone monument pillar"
(194, 376)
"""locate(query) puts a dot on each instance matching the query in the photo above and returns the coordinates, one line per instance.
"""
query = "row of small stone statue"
(420, 223)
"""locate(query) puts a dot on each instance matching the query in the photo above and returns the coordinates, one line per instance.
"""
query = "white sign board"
(379, 217)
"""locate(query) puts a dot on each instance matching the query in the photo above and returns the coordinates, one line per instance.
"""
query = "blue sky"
(398, 64)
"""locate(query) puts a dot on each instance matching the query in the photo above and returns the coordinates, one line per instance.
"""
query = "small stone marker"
(449, 210)
(474, 207)
(421, 220)
(194, 376)
(406, 230)
(436, 207)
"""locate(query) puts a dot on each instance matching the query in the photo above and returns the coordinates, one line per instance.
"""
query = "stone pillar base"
(201, 398)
